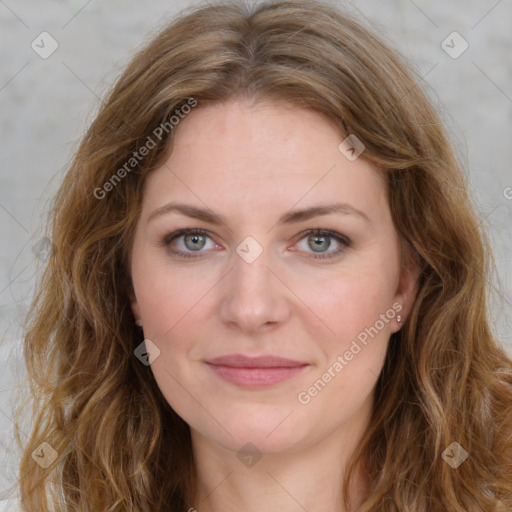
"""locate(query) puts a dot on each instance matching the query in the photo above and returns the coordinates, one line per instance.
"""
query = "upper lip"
(266, 361)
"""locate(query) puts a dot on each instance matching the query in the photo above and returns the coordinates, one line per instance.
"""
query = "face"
(271, 325)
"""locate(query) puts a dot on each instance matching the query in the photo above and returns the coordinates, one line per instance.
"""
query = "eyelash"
(345, 241)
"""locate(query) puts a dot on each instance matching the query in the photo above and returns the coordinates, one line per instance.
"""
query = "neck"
(306, 478)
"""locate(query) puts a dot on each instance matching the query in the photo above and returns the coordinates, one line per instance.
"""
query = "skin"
(251, 162)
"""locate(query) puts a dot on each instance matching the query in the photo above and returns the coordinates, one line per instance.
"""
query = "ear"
(135, 307)
(407, 288)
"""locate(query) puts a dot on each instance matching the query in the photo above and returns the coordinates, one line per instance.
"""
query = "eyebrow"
(291, 217)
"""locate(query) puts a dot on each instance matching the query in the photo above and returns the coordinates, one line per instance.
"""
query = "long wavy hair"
(119, 446)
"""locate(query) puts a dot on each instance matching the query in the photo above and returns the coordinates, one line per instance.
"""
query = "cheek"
(353, 357)
(167, 296)
(350, 301)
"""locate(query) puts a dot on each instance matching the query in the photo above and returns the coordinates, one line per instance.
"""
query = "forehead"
(256, 157)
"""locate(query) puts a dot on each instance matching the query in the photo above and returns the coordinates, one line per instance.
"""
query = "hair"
(446, 378)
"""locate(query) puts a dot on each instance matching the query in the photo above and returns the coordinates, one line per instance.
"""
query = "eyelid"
(186, 231)
(339, 237)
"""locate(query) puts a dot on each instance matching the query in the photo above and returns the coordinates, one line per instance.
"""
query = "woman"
(267, 289)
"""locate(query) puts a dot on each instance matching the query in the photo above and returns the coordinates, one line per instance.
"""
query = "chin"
(271, 429)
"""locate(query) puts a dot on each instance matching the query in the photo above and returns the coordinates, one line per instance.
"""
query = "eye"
(193, 240)
(190, 241)
(320, 240)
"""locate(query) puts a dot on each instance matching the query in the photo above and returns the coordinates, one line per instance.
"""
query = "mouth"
(255, 372)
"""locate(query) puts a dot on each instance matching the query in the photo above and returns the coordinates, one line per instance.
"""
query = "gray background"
(46, 104)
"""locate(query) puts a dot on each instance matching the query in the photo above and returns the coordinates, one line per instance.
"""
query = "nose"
(253, 296)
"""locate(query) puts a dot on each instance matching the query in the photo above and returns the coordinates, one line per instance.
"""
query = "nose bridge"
(251, 274)
(252, 295)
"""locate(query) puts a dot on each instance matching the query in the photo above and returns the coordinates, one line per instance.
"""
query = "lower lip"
(256, 377)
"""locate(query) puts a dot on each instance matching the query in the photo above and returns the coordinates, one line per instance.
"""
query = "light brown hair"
(120, 445)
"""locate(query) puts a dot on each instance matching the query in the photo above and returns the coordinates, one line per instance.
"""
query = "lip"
(255, 372)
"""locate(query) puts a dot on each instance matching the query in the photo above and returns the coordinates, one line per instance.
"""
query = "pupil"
(195, 240)
(319, 241)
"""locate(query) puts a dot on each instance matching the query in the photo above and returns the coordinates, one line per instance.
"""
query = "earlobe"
(135, 309)
(407, 289)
